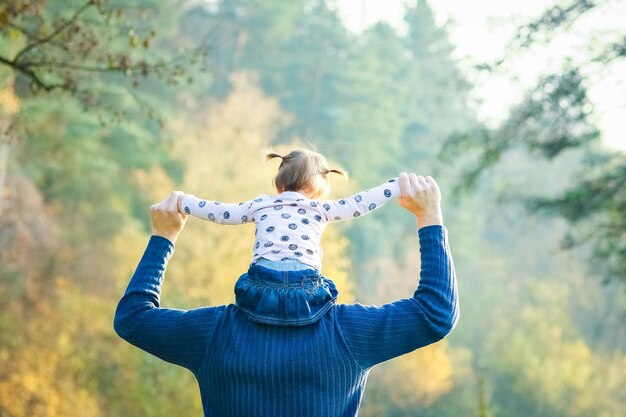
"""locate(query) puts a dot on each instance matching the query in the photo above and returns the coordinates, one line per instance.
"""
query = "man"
(248, 365)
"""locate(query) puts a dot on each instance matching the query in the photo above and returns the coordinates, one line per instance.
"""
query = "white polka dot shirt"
(290, 225)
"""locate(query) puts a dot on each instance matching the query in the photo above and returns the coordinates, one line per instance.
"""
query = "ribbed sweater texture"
(246, 368)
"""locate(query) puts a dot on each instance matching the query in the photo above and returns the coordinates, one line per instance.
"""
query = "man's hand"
(421, 196)
(167, 221)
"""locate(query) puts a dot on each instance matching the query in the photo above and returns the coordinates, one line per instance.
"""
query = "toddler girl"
(284, 285)
(289, 225)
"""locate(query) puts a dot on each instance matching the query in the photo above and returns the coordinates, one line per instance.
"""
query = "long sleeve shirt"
(290, 225)
(318, 369)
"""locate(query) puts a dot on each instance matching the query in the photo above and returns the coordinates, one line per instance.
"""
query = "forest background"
(106, 106)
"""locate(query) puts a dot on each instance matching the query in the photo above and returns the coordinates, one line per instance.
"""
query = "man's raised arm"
(378, 333)
(177, 336)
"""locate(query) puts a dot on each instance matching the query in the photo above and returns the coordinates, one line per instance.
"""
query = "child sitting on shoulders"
(284, 285)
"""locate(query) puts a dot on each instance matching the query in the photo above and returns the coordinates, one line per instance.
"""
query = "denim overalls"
(286, 293)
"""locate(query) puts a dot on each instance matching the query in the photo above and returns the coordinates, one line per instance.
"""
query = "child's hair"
(303, 169)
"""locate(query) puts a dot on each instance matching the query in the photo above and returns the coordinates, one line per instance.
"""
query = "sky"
(480, 30)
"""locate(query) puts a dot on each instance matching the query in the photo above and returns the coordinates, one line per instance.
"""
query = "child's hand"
(180, 196)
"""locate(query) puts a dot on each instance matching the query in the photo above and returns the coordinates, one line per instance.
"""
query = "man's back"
(246, 367)
(256, 369)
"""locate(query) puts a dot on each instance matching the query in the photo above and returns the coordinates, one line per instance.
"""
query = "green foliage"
(84, 48)
(596, 205)
(70, 157)
(554, 117)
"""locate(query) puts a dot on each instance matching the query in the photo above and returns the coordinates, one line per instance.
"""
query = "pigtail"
(272, 155)
(340, 172)
(336, 171)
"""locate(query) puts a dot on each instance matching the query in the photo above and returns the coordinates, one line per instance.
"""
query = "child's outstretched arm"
(361, 203)
(216, 211)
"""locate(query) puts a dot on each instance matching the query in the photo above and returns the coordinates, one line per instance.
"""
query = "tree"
(556, 116)
(9, 106)
(82, 48)
(73, 66)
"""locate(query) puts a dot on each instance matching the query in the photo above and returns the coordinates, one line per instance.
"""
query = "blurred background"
(518, 108)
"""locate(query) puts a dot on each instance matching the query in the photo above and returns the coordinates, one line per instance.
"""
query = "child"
(284, 285)
(289, 225)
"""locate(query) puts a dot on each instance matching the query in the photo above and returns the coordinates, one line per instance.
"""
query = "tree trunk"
(4, 162)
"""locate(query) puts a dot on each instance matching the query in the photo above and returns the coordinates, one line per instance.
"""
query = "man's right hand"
(421, 197)
(167, 221)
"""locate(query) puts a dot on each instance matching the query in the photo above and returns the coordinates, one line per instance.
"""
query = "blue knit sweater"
(314, 367)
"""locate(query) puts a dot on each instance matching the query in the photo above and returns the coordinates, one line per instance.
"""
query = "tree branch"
(87, 68)
(114, 68)
(551, 19)
(54, 33)
(30, 74)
